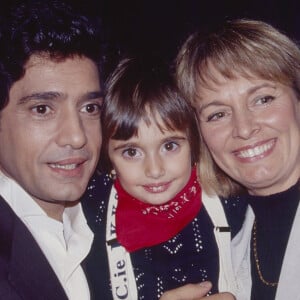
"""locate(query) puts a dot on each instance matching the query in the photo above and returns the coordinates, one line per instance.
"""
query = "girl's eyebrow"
(174, 137)
(131, 144)
(125, 145)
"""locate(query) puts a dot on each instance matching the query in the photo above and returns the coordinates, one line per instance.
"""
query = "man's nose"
(71, 131)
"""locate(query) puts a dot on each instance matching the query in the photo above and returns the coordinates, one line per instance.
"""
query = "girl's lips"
(257, 150)
(157, 188)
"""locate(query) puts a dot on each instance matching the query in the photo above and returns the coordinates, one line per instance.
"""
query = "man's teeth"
(255, 151)
(64, 167)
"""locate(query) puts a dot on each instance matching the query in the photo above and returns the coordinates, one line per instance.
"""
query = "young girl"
(162, 231)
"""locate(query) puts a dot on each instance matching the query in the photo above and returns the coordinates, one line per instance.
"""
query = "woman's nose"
(244, 125)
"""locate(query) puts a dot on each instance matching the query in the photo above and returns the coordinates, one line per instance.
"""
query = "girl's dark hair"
(140, 89)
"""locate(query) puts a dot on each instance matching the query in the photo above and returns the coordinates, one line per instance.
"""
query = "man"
(50, 137)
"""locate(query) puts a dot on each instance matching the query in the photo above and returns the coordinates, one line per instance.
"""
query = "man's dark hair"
(48, 27)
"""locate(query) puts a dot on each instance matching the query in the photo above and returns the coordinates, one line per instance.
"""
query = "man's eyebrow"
(39, 96)
(54, 95)
(93, 95)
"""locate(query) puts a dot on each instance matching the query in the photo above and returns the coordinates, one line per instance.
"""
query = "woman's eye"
(215, 116)
(264, 100)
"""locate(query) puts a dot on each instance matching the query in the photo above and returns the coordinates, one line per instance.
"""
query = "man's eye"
(41, 109)
(92, 108)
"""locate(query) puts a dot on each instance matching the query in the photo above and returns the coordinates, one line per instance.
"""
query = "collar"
(31, 213)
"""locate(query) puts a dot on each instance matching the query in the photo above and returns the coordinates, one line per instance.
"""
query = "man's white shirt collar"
(65, 244)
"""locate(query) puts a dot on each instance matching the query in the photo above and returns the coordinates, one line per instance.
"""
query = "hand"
(221, 296)
(195, 292)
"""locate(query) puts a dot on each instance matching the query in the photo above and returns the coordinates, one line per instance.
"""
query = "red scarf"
(141, 225)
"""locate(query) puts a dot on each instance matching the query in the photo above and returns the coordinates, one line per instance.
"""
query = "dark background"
(160, 27)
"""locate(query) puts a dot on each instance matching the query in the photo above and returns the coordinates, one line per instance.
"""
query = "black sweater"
(274, 217)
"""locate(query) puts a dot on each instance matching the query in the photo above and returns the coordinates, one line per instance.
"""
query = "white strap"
(121, 272)
(223, 238)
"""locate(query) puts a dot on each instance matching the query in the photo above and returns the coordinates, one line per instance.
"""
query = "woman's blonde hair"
(242, 47)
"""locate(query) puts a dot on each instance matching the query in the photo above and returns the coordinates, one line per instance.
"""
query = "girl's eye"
(170, 146)
(130, 152)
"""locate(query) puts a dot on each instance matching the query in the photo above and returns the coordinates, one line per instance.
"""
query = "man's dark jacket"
(24, 270)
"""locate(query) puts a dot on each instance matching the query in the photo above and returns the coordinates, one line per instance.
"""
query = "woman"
(244, 80)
